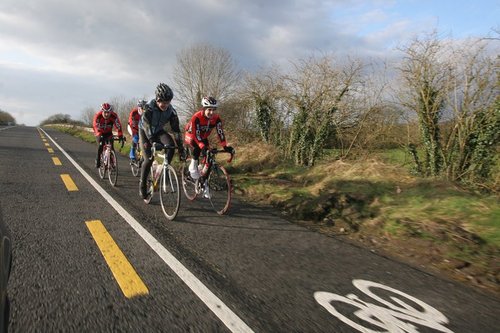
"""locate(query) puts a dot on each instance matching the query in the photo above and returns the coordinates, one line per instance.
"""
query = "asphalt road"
(248, 271)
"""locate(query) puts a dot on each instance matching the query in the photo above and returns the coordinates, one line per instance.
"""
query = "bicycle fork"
(164, 185)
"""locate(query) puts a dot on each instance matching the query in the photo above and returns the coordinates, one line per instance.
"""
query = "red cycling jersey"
(133, 120)
(198, 129)
(104, 126)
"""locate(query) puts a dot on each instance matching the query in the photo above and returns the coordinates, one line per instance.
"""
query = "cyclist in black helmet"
(152, 128)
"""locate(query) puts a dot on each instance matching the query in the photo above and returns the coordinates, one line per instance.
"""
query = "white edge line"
(221, 310)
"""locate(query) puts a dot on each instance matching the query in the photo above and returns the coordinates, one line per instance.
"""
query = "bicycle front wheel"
(112, 168)
(188, 184)
(102, 168)
(219, 193)
(170, 195)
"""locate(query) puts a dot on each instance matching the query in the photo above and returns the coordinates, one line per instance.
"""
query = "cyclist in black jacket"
(152, 128)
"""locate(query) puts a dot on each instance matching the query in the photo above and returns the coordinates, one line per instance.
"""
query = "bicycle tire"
(112, 168)
(219, 185)
(135, 166)
(188, 184)
(102, 167)
(170, 196)
(150, 188)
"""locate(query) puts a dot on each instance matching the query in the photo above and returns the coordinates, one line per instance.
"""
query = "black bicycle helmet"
(164, 93)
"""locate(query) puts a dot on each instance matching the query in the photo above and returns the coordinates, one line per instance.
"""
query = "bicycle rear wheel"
(219, 189)
(170, 195)
(112, 168)
(188, 184)
(135, 166)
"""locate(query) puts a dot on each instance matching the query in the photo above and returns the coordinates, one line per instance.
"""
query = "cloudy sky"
(62, 56)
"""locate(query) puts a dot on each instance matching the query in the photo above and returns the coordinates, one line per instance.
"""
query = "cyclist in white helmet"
(198, 130)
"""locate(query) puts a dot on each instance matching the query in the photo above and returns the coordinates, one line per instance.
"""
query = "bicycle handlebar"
(216, 151)
(116, 137)
(161, 146)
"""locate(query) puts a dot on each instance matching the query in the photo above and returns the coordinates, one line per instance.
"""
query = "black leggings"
(105, 137)
(146, 145)
(197, 149)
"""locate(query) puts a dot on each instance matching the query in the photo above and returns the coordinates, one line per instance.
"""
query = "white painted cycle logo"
(396, 317)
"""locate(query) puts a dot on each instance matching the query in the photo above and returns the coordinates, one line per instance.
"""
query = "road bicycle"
(214, 185)
(109, 163)
(136, 164)
(163, 178)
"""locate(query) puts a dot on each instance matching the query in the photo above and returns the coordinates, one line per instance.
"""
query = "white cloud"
(81, 52)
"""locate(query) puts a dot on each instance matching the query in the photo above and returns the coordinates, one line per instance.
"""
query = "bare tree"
(87, 115)
(316, 89)
(265, 96)
(425, 75)
(455, 94)
(202, 70)
(122, 106)
(475, 123)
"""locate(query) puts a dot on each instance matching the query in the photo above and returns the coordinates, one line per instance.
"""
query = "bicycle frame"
(106, 152)
(214, 185)
(162, 167)
(211, 161)
(163, 178)
(106, 167)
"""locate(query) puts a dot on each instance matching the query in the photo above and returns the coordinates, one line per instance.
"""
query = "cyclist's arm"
(197, 134)
(220, 132)
(146, 121)
(95, 125)
(131, 118)
(174, 124)
(118, 126)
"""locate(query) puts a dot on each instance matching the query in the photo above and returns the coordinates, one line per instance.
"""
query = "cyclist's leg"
(146, 165)
(99, 151)
(111, 141)
(135, 140)
(167, 139)
(193, 166)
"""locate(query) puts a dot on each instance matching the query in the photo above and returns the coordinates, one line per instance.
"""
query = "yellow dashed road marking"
(50, 150)
(56, 161)
(47, 145)
(70, 184)
(126, 276)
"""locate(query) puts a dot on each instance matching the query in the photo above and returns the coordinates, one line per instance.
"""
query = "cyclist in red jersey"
(133, 127)
(103, 123)
(198, 130)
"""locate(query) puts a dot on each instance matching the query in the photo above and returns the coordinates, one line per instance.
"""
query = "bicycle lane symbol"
(396, 317)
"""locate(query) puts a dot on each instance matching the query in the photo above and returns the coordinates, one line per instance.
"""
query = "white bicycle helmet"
(209, 102)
